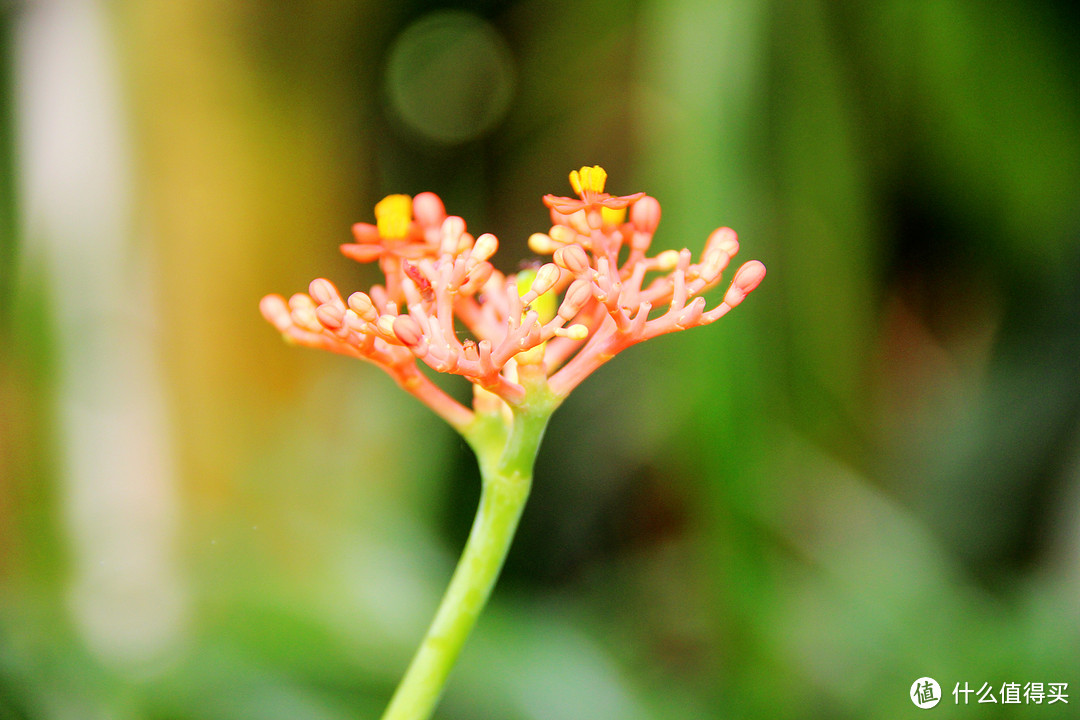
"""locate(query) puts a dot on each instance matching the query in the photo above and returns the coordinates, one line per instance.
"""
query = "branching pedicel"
(532, 337)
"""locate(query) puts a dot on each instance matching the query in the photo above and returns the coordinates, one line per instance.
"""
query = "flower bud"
(574, 332)
(563, 235)
(453, 228)
(274, 309)
(714, 263)
(667, 260)
(354, 323)
(645, 215)
(305, 318)
(407, 330)
(300, 300)
(361, 304)
(572, 258)
(542, 244)
(385, 325)
(485, 247)
(331, 316)
(723, 240)
(579, 222)
(577, 295)
(746, 279)
(428, 209)
(323, 291)
(546, 277)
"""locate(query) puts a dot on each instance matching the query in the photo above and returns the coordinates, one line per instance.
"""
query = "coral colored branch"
(413, 381)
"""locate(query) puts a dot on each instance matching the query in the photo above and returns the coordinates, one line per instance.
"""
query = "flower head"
(599, 207)
(406, 229)
(541, 330)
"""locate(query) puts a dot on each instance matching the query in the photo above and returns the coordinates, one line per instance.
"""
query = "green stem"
(506, 458)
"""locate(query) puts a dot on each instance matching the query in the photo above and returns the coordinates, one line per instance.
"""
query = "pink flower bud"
(577, 295)
(546, 277)
(574, 332)
(542, 244)
(301, 301)
(485, 247)
(579, 222)
(305, 318)
(361, 304)
(746, 279)
(453, 228)
(572, 258)
(645, 215)
(354, 322)
(723, 240)
(407, 330)
(428, 210)
(667, 260)
(563, 234)
(331, 316)
(274, 309)
(714, 263)
(323, 291)
(385, 325)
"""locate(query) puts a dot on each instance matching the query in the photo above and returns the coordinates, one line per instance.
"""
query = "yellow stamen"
(393, 214)
(611, 216)
(588, 179)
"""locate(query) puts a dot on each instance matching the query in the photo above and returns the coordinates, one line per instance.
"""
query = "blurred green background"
(868, 473)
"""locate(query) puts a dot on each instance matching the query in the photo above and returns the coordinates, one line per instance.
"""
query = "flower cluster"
(600, 294)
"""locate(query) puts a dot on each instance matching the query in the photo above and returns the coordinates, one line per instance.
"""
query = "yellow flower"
(393, 216)
(588, 183)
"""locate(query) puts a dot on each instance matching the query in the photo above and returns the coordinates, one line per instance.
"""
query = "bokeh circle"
(450, 76)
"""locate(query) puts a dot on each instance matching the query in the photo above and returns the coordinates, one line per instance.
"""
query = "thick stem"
(506, 462)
